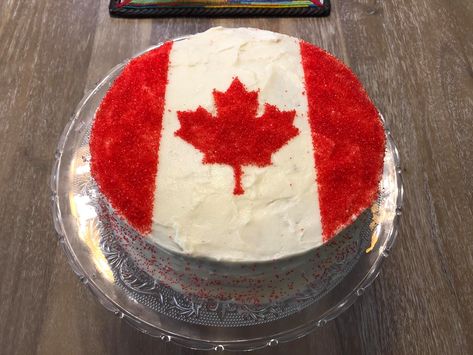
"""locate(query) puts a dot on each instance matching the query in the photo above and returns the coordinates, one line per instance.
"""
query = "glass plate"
(189, 321)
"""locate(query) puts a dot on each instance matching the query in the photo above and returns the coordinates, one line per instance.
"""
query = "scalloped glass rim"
(194, 336)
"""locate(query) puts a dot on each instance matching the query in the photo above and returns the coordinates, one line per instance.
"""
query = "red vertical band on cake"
(126, 134)
(348, 139)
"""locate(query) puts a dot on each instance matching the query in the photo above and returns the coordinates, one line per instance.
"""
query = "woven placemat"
(153, 8)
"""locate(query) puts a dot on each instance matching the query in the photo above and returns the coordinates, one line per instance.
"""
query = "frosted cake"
(234, 147)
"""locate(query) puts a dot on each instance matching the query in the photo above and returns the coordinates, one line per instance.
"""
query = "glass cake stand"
(196, 323)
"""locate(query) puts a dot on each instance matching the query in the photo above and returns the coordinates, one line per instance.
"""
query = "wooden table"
(415, 60)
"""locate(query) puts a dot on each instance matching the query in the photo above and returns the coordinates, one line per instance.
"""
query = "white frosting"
(195, 210)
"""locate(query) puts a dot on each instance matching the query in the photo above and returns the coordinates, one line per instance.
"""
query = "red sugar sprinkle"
(125, 137)
(237, 137)
(348, 139)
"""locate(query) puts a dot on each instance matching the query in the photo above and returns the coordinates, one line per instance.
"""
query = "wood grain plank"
(399, 51)
(43, 58)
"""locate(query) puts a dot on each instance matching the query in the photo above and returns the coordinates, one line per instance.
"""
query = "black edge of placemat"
(157, 11)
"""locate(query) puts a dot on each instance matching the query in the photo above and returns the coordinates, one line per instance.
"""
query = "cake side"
(242, 283)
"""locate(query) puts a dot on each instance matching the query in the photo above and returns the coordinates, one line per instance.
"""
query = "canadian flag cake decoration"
(248, 134)
(237, 136)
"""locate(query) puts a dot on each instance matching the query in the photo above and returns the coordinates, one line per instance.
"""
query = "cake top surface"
(237, 145)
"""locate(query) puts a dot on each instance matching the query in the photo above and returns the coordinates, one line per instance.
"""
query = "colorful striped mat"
(150, 8)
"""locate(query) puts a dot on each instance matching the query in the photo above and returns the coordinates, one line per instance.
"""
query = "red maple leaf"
(236, 136)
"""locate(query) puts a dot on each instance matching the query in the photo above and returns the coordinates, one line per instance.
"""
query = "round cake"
(232, 153)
